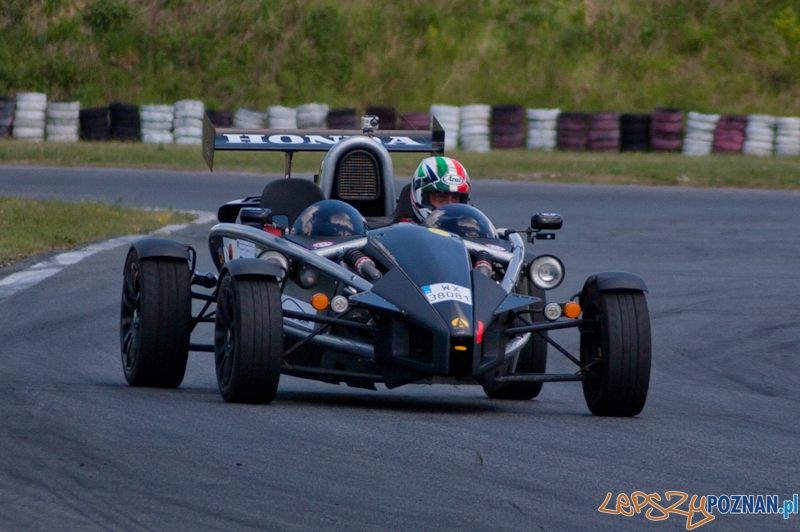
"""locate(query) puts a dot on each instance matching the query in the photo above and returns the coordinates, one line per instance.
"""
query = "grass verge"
(665, 169)
(28, 227)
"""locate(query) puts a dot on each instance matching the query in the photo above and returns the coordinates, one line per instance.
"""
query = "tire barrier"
(448, 116)
(542, 132)
(279, 117)
(343, 118)
(6, 115)
(571, 131)
(220, 118)
(157, 123)
(125, 121)
(699, 137)
(759, 135)
(421, 122)
(62, 121)
(387, 115)
(312, 116)
(187, 127)
(507, 126)
(473, 127)
(94, 123)
(634, 132)
(787, 139)
(29, 116)
(666, 129)
(604, 132)
(729, 135)
(248, 119)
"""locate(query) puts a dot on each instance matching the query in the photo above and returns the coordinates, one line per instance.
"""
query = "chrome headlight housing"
(546, 272)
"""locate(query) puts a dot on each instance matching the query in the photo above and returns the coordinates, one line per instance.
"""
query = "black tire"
(619, 346)
(248, 339)
(533, 356)
(155, 320)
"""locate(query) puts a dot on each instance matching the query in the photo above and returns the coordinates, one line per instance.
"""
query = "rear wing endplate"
(294, 140)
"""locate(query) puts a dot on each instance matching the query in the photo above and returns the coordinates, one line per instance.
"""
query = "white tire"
(27, 132)
(278, 111)
(38, 124)
(475, 111)
(158, 109)
(282, 123)
(190, 141)
(61, 130)
(542, 124)
(62, 121)
(75, 107)
(543, 114)
(28, 115)
(474, 130)
(63, 138)
(187, 122)
(54, 114)
(188, 132)
(160, 126)
(157, 116)
(474, 122)
(700, 117)
(700, 136)
(697, 125)
(32, 97)
(157, 137)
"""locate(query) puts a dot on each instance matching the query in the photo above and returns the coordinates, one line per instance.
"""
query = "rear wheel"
(248, 339)
(532, 357)
(617, 351)
(155, 320)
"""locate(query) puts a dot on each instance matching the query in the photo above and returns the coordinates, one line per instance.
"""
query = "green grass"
(28, 227)
(665, 169)
(591, 55)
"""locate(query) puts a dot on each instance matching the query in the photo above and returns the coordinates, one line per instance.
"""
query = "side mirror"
(546, 221)
(255, 216)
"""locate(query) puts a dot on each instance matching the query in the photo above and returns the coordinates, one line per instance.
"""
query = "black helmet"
(330, 218)
(463, 220)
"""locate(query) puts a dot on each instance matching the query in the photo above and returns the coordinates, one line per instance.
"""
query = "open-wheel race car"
(329, 280)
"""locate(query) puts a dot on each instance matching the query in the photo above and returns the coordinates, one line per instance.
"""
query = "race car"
(328, 280)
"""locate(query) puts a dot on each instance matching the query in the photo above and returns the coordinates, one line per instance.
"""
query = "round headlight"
(546, 272)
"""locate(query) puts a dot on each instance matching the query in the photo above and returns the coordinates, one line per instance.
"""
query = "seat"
(404, 210)
(288, 198)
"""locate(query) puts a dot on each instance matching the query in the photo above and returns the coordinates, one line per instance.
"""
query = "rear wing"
(294, 140)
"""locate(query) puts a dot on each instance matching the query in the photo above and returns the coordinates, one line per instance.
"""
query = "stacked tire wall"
(572, 131)
(508, 127)
(30, 110)
(729, 136)
(6, 115)
(542, 133)
(666, 129)
(634, 132)
(125, 122)
(604, 132)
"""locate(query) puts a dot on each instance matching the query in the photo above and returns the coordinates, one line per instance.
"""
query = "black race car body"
(387, 302)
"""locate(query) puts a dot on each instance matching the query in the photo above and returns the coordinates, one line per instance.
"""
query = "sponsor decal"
(290, 139)
(321, 244)
(699, 510)
(452, 180)
(437, 293)
(460, 323)
(495, 246)
(238, 249)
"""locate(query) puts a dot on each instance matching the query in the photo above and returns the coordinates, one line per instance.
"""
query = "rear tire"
(619, 348)
(155, 320)
(532, 357)
(248, 339)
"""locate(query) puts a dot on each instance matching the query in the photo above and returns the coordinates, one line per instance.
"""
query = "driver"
(438, 181)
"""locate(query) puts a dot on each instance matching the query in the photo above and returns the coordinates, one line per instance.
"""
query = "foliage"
(707, 55)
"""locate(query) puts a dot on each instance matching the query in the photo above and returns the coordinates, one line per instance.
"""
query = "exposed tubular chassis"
(321, 259)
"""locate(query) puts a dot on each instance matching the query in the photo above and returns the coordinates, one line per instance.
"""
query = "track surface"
(80, 450)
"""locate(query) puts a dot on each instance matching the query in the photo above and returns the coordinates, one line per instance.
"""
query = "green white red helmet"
(437, 174)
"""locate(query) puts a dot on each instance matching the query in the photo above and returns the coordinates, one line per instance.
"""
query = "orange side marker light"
(319, 301)
(572, 310)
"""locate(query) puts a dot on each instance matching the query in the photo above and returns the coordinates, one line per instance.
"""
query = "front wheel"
(155, 320)
(616, 352)
(248, 339)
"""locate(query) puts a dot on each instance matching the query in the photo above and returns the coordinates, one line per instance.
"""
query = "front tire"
(248, 339)
(532, 357)
(619, 352)
(155, 320)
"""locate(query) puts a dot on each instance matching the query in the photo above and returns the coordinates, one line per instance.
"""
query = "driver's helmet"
(463, 220)
(330, 218)
(437, 174)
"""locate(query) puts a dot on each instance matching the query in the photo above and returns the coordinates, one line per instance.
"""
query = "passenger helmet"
(440, 174)
(330, 218)
(463, 220)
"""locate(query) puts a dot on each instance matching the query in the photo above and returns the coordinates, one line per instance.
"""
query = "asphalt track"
(81, 450)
